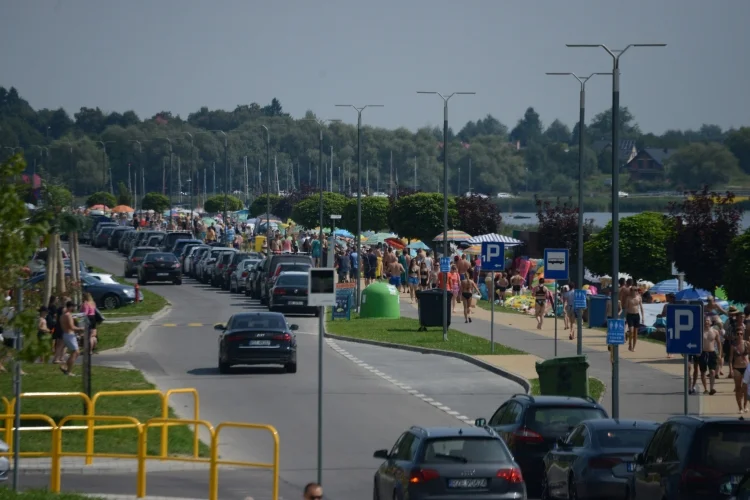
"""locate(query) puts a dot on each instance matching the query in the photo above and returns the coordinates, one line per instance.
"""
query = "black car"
(106, 295)
(231, 267)
(180, 246)
(156, 240)
(285, 267)
(171, 238)
(257, 338)
(269, 268)
(252, 287)
(448, 462)
(96, 225)
(117, 233)
(160, 266)
(532, 425)
(133, 261)
(596, 459)
(222, 262)
(289, 294)
(126, 242)
(141, 238)
(101, 238)
(693, 458)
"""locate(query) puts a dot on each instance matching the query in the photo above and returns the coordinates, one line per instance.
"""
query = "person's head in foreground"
(313, 491)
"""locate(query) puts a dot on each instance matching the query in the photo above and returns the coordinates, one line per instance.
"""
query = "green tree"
(258, 206)
(218, 203)
(737, 269)
(124, 197)
(701, 164)
(643, 247)
(307, 212)
(528, 129)
(420, 216)
(155, 201)
(738, 142)
(478, 215)
(557, 132)
(375, 211)
(101, 198)
(558, 226)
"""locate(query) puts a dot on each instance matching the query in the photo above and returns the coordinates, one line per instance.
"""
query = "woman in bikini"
(413, 278)
(738, 361)
(453, 286)
(468, 287)
(713, 310)
(424, 276)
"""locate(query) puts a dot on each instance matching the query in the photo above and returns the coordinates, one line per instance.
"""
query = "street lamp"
(169, 188)
(72, 165)
(616, 54)
(41, 148)
(445, 198)
(359, 190)
(268, 189)
(581, 124)
(192, 169)
(104, 163)
(140, 167)
(226, 183)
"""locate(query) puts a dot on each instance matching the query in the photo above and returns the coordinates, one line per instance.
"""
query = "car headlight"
(129, 292)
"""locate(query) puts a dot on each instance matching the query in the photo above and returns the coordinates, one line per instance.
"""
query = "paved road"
(364, 411)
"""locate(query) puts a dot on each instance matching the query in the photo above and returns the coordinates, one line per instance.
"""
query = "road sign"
(321, 287)
(335, 216)
(684, 328)
(445, 264)
(615, 331)
(493, 256)
(555, 264)
(580, 299)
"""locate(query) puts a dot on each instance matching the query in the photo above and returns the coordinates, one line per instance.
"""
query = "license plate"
(631, 466)
(296, 303)
(162, 274)
(259, 342)
(467, 483)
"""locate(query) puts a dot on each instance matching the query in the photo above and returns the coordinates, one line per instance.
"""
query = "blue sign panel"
(684, 328)
(493, 256)
(580, 299)
(445, 264)
(615, 331)
(555, 264)
(343, 307)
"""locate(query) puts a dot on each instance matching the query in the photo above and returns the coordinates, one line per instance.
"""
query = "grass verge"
(404, 331)
(487, 306)
(596, 387)
(47, 378)
(8, 494)
(114, 335)
(152, 302)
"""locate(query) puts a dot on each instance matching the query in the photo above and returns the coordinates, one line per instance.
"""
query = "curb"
(439, 352)
(138, 331)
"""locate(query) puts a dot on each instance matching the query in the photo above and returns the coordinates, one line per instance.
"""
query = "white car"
(4, 462)
(104, 278)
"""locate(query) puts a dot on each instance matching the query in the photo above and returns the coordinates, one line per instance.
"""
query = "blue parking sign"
(615, 331)
(445, 264)
(493, 256)
(580, 299)
(684, 329)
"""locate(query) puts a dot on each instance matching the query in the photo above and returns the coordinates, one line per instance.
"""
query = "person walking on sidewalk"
(634, 313)
(738, 361)
(468, 288)
(542, 297)
(70, 339)
(708, 360)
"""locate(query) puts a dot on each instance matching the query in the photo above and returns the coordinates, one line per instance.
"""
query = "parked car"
(134, 259)
(180, 245)
(693, 458)
(156, 240)
(257, 338)
(39, 261)
(285, 267)
(117, 233)
(532, 425)
(103, 277)
(106, 295)
(101, 238)
(232, 266)
(222, 261)
(142, 237)
(448, 462)
(269, 267)
(160, 266)
(126, 242)
(192, 258)
(289, 294)
(252, 285)
(239, 275)
(171, 238)
(96, 225)
(596, 459)
(4, 462)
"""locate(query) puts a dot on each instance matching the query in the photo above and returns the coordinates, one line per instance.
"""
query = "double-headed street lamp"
(268, 188)
(359, 190)
(616, 54)
(581, 125)
(104, 163)
(446, 252)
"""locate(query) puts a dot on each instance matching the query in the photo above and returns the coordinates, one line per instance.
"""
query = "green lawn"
(152, 303)
(596, 387)
(8, 494)
(404, 331)
(486, 305)
(114, 335)
(47, 378)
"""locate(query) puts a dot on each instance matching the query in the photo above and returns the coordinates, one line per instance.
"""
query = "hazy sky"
(179, 55)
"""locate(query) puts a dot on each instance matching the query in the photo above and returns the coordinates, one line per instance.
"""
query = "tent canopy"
(495, 238)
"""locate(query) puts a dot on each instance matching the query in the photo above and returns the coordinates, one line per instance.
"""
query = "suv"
(531, 426)
(222, 261)
(448, 462)
(171, 238)
(693, 457)
(269, 268)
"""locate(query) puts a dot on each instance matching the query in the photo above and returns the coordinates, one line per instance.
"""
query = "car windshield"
(624, 438)
(285, 268)
(465, 450)
(247, 264)
(89, 280)
(560, 420)
(140, 252)
(257, 322)
(161, 257)
(108, 229)
(294, 280)
(725, 447)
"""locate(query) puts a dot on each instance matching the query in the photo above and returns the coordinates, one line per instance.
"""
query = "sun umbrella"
(121, 209)
(99, 207)
(417, 245)
(667, 286)
(209, 220)
(692, 294)
(454, 235)
(395, 243)
(378, 238)
(343, 233)
(495, 238)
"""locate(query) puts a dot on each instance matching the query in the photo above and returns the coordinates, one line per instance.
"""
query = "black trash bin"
(430, 303)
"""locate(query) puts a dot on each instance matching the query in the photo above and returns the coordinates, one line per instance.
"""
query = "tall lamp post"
(226, 183)
(359, 191)
(581, 125)
(42, 149)
(192, 170)
(445, 99)
(140, 167)
(616, 54)
(169, 186)
(268, 188)
(71, 165)
(104, 163)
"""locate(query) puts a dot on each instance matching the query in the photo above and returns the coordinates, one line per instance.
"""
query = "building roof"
(659, 155)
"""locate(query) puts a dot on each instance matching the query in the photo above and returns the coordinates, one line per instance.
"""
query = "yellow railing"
(142, 456)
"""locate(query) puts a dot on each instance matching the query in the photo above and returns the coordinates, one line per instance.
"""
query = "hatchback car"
(257, 338)
(240, 274)
(192, 258)
(156, 240)
(532, 425)
(252, 287)
(133, 261)
(289, 294)
(450, 463)
(126, 242)
(269, 268)
(180, 245)
(231, 267)
(207, 264)
(160, 266)
(222, 261)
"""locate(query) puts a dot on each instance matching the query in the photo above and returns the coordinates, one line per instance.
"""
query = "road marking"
(406, 388)
(195, 324)
(170, 325)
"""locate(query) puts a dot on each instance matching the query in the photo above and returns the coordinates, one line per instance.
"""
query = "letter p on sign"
(493, 256)
(683, 322)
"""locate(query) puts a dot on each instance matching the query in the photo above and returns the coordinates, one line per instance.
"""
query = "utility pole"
(415, 173)
(214, 179)
(330, 186)
(367, 177)
(470, 173)
(179, 180)
(390, 181)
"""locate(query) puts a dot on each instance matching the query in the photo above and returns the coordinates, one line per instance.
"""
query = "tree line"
(485, 155)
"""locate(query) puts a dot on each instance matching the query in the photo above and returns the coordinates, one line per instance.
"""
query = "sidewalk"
(651, 386)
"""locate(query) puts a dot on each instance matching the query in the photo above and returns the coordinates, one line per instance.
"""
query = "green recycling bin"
(564, 376)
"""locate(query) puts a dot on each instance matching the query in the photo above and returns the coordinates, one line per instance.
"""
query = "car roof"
(444, 432)
(612, 423)
(294, 273)
(145, 248)
(695, 419)
(259, 314)
(557, 400)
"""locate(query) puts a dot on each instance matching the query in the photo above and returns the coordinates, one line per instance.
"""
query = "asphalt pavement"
(365, 407)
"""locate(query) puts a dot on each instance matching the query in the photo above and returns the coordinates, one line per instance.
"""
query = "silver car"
(238, 277)
(4, 462)
(191, 259)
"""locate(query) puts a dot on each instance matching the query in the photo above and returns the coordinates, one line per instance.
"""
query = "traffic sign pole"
(492, 314)
(493, 259)
(685, 336)
(686, 389)
(555, 313)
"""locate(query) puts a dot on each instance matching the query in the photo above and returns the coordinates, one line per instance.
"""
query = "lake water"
(600, 218)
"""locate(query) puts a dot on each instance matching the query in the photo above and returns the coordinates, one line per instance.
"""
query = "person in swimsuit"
(517, 283)
(501, 285)
(738, 361)
(424, 275)
(70, 338)
(395, 269)
(468, 287)
(541, 297)
(634, 313)
(708, 359)
(714, 310)
(413, 278)
(453, 286)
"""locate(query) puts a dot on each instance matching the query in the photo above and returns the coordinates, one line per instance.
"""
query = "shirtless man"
(624, 293)
(463, 268)
(395, 269)
(516, 282)
(633, 314)
(69, 330)
(708, 359)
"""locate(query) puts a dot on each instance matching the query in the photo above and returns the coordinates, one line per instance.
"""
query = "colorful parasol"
(453, 235)
(122, 209)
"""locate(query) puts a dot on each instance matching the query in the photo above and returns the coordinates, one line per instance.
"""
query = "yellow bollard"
(140, 488)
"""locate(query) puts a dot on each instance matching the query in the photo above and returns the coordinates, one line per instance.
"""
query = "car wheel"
(290, 367)
(111, 301)
(224, 367)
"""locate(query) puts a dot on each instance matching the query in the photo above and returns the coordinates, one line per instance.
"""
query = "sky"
(180, 55)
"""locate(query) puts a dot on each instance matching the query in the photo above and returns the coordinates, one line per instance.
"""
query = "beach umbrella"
(454, 235)
(667, 286)
(343, 233)
(209, 220)
(395, 243)
(495, 238)
(692, 294)
(100, 207)
(122, 209)
(417, 245)
(378, 238)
